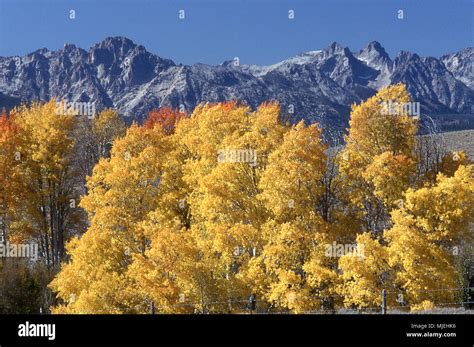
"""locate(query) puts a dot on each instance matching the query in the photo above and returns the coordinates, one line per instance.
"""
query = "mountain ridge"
(318, 85)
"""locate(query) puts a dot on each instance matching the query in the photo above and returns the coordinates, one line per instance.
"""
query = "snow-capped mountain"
(461, 65)
(317, 85)
(375, 56)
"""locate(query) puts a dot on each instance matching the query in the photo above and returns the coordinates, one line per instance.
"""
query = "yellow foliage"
(232, 202)
(388, 175)
(365, 276)
(291, 184)
(427, 236)
(378, 162)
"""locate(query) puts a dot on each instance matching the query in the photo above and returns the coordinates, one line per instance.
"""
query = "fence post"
(384, 301)
(252, 303)
(152, 308)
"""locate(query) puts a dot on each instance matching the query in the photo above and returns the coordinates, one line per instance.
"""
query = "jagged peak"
(68, 46)
(409, 54)
(117, 40)
(229, 63)
(41, 51)
(336, 46)
(374, 55)
(374, 46)
(119, 45)
(71, 49)
(468, 51)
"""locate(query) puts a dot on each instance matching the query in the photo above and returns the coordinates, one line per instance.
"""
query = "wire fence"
(244, 306)
(431, 290)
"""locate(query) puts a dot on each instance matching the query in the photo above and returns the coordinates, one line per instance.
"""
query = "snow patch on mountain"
(319, 85)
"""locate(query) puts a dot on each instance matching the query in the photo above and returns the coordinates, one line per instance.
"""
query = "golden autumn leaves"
(44, 163)
(172, 225)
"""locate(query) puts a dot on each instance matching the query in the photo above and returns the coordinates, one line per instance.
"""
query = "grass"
(460, 140)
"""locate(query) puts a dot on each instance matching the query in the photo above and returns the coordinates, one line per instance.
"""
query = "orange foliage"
(166, 117)
(8, 128)
(10, 158)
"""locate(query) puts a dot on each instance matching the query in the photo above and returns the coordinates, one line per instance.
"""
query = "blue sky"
(256, 31)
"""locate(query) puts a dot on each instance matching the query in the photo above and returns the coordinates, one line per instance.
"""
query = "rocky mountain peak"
(320, 85)
(461, 65)
(374, 55)
(116, 44)
(337, 49)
